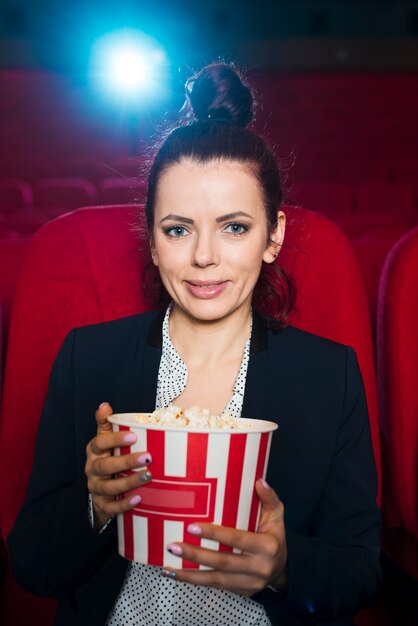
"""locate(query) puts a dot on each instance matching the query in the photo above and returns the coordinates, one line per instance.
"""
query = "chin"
(209, 310)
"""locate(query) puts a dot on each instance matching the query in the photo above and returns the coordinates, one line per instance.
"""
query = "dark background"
(59, 35)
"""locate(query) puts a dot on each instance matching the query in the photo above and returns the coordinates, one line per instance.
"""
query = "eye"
(176, 232)
(236, 229)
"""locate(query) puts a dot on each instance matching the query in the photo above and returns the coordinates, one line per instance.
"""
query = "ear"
(276, 239)
(153, 251)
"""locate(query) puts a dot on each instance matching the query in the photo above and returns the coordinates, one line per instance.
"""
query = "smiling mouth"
(206, 288)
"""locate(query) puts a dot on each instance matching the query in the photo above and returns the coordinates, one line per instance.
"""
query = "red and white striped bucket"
(199, 475)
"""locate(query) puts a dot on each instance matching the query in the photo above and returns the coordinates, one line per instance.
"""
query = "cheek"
(169, 258)
(249, 260)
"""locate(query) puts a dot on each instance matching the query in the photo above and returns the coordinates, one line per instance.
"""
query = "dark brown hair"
(223, 106)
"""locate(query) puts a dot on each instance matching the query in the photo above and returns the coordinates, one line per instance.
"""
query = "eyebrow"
(222, 218)
(232, 216)
(177, 218)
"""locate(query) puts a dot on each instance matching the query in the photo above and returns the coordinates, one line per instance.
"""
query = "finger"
(272, 509)
(114, 507)
(102, 413)
(242, 539)
(268, 497)
(215, 560)
(107, 466)
(109, 440)
(114, 487)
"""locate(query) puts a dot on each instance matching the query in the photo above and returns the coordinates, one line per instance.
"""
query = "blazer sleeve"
(53, 547)
(334, 570)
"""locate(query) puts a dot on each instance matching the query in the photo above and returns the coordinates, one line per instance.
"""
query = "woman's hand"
(263, 560)
(101, 465)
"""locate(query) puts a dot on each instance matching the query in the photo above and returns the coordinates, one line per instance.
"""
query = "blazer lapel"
(150, 365)
(255, 386)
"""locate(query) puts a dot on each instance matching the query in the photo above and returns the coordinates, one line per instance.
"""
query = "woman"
(215, 229)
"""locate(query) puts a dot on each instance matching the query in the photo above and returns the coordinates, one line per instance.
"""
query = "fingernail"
(102, 404)
(145, 459)
(129, 438)
(135, 499)
(174, 548)
(194, 529)
(168, 573)
(145, 477)
(265, 483)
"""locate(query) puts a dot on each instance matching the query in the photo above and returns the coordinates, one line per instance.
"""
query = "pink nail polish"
(136, 499)
(174, 548)
(167, 573)
(145, 459)
(102, 404)
(265, 483)
(194, 529)
(129, 438)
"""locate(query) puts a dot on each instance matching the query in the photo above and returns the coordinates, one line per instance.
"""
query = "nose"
(205, 251)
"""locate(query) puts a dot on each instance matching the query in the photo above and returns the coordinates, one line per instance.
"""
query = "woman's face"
(210, 237)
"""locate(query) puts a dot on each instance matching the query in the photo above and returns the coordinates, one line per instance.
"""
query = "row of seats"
(67, 281)
(68, 193)
(345, 128)
(299, 160)
(94, 167)
(336, 200)
(372, 200)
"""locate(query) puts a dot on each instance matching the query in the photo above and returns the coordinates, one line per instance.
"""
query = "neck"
(209, 343)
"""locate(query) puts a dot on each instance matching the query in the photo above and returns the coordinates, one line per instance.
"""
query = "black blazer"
(321, 466)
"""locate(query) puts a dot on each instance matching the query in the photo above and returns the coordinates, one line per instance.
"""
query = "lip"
(206, 289)
(205, 283)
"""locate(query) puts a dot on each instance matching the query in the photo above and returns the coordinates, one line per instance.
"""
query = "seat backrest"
(15, 194)
(121, 190)
(85, 267)
(12, 252)
(371, 249)
(397, 383)
(69, 193)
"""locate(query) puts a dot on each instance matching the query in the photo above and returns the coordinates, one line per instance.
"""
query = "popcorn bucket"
(199, 475)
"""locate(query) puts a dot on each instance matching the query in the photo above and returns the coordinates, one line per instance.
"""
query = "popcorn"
(193, 417)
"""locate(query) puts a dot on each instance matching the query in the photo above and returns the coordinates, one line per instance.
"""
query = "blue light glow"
(129, 67)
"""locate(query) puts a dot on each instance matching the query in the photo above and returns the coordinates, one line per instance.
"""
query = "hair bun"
(218, 93)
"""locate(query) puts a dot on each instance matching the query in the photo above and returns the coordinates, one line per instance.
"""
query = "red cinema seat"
(398, 399)
(15, 195)
(115, 190)
(69, 282)
(12, 252)
(371, 248)
(330, 199)
(65, 193)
